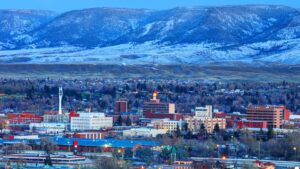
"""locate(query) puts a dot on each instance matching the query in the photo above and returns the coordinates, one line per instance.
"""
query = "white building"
(204, 115)
(143, 132)
(294, 117)
(27, 137)
(167, 124)
(204, 112)
(194, 124)
(48, 127)
(90, 121)
(54, 117)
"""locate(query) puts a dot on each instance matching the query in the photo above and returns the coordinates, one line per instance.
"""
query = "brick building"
(152, 115)
(24, 118)
(121, 107)
(155, 106)
(274, 115)
(252, 124)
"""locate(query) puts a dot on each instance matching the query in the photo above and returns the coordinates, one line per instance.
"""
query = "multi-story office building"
(155, 106)
(53, 128)
(204, 115)
(251, 124)
(167, 124)
(90, 121)
(24, 118)
(204, 112)
(143, 132)
(274, 115)
(55, 117)
(194, 124)
(120, 107)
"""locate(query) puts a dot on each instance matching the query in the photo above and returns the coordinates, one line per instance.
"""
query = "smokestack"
(60, 95)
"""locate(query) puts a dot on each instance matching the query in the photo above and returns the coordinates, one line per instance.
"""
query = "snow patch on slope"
(151, 52)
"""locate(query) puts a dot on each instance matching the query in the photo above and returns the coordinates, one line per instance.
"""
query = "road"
(284, 164)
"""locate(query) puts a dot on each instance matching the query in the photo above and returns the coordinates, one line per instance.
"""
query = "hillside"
(199, 35)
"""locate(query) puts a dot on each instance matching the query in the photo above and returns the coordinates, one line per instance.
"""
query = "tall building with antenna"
(58, 116)
(155, 106)
(60, 95)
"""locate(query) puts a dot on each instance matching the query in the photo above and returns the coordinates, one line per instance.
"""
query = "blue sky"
(65, 5)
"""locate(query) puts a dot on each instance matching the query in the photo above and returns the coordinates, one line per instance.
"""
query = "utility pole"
(259, 149)
(295, 149)
(218, 147)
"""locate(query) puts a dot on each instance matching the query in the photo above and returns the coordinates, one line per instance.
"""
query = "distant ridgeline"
(264, 33)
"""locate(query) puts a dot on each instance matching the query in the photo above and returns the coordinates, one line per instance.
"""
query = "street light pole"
(218, 146)
(69, 146)
(259, 149)
(295, 149)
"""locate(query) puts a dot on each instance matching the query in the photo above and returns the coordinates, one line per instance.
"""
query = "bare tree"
(48, 146)
(16, 148)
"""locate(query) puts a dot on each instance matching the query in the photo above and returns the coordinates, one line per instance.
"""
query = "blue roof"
(90, 142)
(103, 142)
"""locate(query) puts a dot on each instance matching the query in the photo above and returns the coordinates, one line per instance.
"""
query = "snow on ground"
(151, 52)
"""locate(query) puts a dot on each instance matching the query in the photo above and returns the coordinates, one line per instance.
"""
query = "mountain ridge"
(184, 35)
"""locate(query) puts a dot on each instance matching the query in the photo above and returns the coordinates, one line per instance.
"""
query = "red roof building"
(274, 115)
(24, 118)
(151, 115)
(73, 114)
(262, 165)
(220, 115)
(251, 124)
(286, 113)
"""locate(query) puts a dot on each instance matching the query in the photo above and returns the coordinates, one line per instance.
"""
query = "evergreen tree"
(128, 121)
(270, 132)
(177, 132)
(190, 150)
(29, 94)
(145, 154)
(202, 127)
(165, 154)
(186, 127)
(47, 91)
(189, 135)
(120, 121)
(261, 133)
(202, 130)
(48, 161)
(128, 153)
(217, 128)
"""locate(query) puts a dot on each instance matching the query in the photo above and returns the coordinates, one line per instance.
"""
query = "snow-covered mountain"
(15, 24)
(197, 35)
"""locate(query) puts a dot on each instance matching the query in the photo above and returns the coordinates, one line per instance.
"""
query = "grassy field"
(208, 72)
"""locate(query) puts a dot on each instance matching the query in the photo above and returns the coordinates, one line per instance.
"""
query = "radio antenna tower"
(60, 95)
